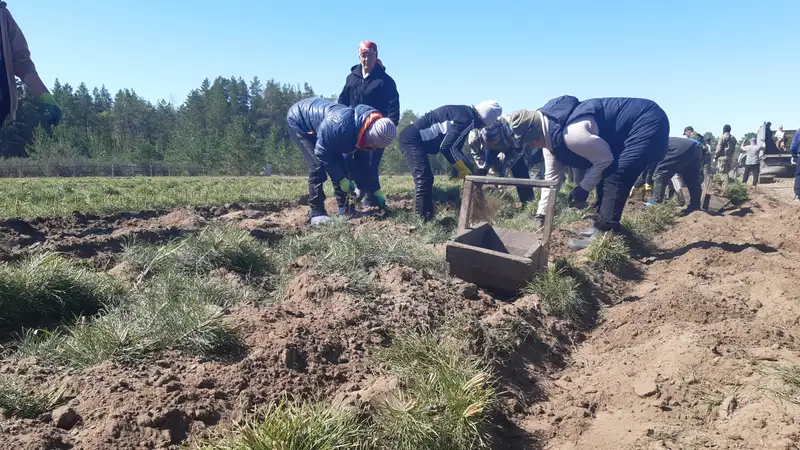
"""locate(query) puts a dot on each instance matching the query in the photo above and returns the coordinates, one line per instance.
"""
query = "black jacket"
(378, 90)
(445, 130)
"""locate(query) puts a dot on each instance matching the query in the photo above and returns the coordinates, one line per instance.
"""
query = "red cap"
(367, 46)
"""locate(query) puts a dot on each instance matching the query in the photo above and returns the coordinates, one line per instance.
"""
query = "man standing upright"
(795, 149)
(726, 146)
(369, 84)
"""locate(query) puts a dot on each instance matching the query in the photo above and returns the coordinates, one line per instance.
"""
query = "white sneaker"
(319, 220)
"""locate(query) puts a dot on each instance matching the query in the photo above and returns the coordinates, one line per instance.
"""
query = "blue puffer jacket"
(616, 119)
(336, 129)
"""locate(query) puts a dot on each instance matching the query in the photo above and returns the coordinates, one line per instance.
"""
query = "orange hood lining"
(370, 119)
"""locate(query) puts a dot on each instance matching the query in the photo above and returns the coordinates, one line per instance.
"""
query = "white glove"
(794, 160)
(501, 156)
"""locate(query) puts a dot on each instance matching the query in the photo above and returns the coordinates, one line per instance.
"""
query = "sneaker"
(584, 232)
(319, 220)
(575, 244)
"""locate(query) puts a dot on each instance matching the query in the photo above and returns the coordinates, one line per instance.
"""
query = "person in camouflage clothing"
(726, 146)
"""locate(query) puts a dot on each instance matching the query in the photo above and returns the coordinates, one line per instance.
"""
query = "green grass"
(436, 231)
(736, 192)
(446, 397)
(173, 311)
(443, 401)
(21, 401)
(215, 247)
(34, 197)
(45, 287)
(338, 247)
(643, 225)
(559, 292)
(303, 426)
(608, 251)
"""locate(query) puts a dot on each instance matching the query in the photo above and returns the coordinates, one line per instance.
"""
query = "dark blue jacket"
(445, 130)
(615, 119)
(335, 128)
(795, 147)
(378, 90)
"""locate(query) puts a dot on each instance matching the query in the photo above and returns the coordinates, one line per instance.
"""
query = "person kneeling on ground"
(495, 147)
(751, 157)
(333, 139)
(614, 138)
(685, 158)
(444, 130)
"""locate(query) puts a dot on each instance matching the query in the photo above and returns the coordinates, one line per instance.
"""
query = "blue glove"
(577, 196)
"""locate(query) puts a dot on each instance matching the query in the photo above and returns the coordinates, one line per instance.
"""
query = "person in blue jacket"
(333, 139)
(444, 130)
(795, 149)
(369, 84)
(615, 139)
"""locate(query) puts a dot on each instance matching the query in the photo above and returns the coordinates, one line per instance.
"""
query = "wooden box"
(495, 258)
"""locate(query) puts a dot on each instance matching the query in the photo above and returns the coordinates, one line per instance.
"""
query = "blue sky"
(706, 63)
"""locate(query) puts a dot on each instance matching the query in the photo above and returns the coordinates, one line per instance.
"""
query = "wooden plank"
(511, 181)
(472, 236)
(549, 212)
(487, 268)
(466, 206)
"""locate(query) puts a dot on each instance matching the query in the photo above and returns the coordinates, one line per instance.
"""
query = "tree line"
(227, 126)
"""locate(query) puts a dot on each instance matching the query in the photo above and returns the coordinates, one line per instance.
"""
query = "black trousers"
(646, 177)
(752, 169)
(646, 144)
(688, 165)
(316, 175)
(413, 150)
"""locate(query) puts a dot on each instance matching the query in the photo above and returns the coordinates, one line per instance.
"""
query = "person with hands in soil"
(369, 84)
(335, 141)
(16, 62)
(445, 130)
(685, 158)
(615, 139)
(495, 147)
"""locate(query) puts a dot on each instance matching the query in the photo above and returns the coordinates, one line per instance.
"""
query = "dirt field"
(680, 355)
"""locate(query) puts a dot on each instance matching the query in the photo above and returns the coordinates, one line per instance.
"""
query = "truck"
(777, 162)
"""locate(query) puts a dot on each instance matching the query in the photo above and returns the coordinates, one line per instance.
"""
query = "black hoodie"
(377, 90)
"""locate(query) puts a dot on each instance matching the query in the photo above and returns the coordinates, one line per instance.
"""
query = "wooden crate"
(497, 258)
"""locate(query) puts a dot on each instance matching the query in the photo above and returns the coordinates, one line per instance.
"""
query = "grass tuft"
(215, 247)
(559, 292)
(446, 399)
(643, 225)
(789, 377)
(436, 231)
(608, 251)
(46, 286)
(736, 192)
(169, 312)
(337, 247)
(20, 401)
(303, 426)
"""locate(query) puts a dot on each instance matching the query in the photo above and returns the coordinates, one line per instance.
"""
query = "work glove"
(794, 159)
(462, 169)
(577, 198)
(380, 198)
(648, 187)
(51, 109)
(347, 186)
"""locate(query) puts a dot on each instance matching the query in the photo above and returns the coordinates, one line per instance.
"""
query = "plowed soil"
(676, 358)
